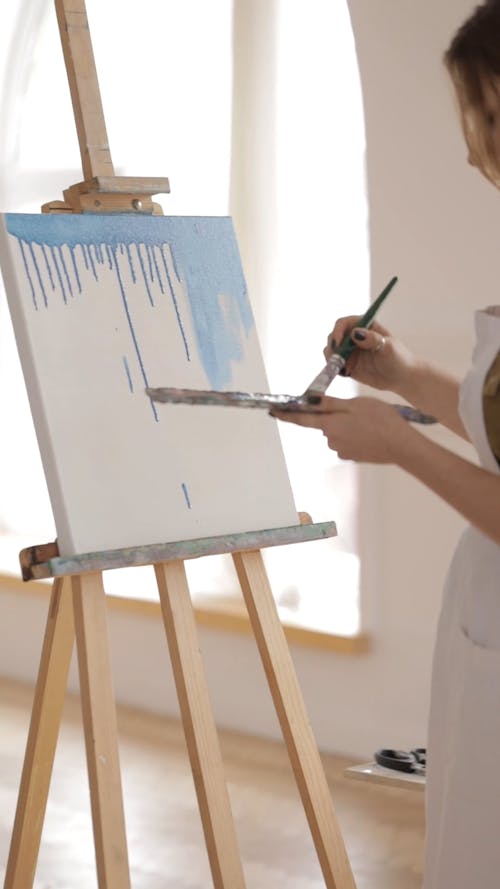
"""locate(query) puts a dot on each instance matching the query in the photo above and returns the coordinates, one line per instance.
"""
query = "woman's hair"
(473, 61)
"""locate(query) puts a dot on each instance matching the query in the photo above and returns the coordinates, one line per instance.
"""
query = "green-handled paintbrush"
(337, 360)
(310, 398)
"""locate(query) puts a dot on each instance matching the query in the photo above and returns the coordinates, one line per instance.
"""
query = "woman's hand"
(365, 430)
(379, 360)
(382, 362)
(371, 431)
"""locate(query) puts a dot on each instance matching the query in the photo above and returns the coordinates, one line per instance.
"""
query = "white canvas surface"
(103, 306)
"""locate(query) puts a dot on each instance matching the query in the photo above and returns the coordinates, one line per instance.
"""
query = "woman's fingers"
(369, 340)
(315, 417)
(345, 327)
(299, 418)
(365, 430)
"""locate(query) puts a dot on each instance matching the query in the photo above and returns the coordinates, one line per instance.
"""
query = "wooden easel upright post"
(78, 609)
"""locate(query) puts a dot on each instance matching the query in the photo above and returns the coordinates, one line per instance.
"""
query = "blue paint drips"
(26, 269)
(144, 275)
(131, 265)
(186, 495)
(39, 277)
(205, 260)
(132, 330)
(65, 270)
(75, 269)
(92, 263)
(48, 267)
(127, 371)
(176, 306)
(150, 264)
(58, 274)
(156, 269)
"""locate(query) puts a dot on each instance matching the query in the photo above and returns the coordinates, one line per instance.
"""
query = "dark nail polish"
(314, 399)
(359, 335)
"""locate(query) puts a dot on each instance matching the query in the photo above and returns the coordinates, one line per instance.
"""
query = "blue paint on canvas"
(200, 252)
(186, 495)
(128, 374)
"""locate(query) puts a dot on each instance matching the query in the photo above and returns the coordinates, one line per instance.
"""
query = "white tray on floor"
(371, 771)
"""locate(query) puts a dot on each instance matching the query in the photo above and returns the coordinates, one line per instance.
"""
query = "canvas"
(104, 306)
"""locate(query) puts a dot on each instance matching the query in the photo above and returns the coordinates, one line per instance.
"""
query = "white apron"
(463, 781)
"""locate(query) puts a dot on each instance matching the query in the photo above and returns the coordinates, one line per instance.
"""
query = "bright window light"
(166, 86)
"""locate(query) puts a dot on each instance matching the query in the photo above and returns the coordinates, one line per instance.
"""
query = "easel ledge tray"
(43, 561)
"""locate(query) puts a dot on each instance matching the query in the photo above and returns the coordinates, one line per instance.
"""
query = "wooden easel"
(78, 609)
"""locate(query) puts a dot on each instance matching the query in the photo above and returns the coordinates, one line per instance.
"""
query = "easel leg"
(101, 738)
(42, 739)
(199, 726)
(297, 733)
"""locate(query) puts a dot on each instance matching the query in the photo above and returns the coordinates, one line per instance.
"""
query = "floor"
(382, 827)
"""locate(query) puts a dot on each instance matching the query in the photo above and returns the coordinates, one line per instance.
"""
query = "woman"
(463, 784)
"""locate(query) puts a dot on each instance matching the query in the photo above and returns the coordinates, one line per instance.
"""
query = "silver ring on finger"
(381, 344)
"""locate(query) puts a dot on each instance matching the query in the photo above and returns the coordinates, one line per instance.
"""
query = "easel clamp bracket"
(111, 194)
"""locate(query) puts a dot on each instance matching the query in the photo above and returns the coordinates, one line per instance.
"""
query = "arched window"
(252, 108)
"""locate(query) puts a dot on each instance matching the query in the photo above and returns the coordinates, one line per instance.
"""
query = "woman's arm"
(434, 392)
(383, 362)
(367, 430)
(472, 491)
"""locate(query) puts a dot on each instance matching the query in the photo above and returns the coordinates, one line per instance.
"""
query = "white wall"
(435, 224)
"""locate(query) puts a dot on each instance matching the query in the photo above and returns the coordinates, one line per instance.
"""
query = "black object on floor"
(413, 761)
